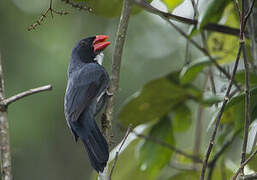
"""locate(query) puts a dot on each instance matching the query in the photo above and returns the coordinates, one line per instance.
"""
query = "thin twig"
(5, 152)
(212, 163)
(243, 165)
(43, 16)
(6, 102)
(210, 26)
(252, 176)
(78, 6)
(247, 106)
(164, 144)
(227, 95)
(166, 17)
(118, 151)
(247, 95)
(238, 8)
(199, 124)
(249, 11)
(252, 32)
(205, 52)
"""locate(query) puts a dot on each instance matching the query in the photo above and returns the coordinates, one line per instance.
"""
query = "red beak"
(100, 43)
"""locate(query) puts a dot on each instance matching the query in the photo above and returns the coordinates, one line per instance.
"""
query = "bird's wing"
(83, 88)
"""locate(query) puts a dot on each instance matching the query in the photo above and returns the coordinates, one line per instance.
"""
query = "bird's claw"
(109, 94)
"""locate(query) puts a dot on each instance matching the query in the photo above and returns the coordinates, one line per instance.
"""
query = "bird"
(86, 94)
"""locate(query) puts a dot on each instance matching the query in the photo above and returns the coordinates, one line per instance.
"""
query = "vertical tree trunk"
(5, 154)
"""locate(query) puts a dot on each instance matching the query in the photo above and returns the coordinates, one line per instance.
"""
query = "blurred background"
(41, 143)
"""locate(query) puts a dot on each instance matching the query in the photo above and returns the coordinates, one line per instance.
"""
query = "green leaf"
(190, 72)
(172, 4)
(194, 175)
(153, 157)
(253, 163)
(213, 12)
(240, 77)
(110, 8)
(210, 100)
(234, 110)
(225, 46)
(126, 167)
(252, 137)
(182, 118)
(156, 99)
(187, 175)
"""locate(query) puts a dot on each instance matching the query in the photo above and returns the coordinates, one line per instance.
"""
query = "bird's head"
(90, 49)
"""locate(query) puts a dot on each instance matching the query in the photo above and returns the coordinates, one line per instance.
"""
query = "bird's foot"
(108, 93)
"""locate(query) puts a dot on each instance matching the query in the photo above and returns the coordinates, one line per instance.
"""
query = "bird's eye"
(83, 43)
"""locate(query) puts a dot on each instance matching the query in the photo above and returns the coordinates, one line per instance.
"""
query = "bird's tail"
(96, 147)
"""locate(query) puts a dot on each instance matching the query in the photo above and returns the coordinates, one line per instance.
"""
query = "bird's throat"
(99, 58)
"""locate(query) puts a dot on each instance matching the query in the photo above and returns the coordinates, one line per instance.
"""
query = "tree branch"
(5, 152)
(249, 177)
(116, 63)
(210, 26)
(243, 165)
(108, 116)
(78, 6)
(212, 163)
(6, 102)
(247, 105)
(118, 151)
(227, 94)
(252, 32)
(152, 9)
(43, 16)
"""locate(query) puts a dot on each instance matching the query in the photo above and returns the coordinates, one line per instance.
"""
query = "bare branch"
(16, 97)
(118, 151)
(5, 153)
(116, 62)
(252, 31)
(77, 6)
(249, 177)
(249, 11)
(163, 15)
(247, 106)
(210, 26)
(108, 116)
(43, 16)
(243, 165)
(227, 95)
(164, 144)
(212, 163)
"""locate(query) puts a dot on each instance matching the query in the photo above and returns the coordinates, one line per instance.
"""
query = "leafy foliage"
(182, 118)
(110, 8)
(234, 110)
(172, 4)
(240, 77)
(194, 175)
(211, 14)
(157, 98)
(190, 71)
(153, 157)
(225, 46)
(252, 137)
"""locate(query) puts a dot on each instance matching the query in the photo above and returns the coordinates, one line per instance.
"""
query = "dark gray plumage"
(85, 96)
